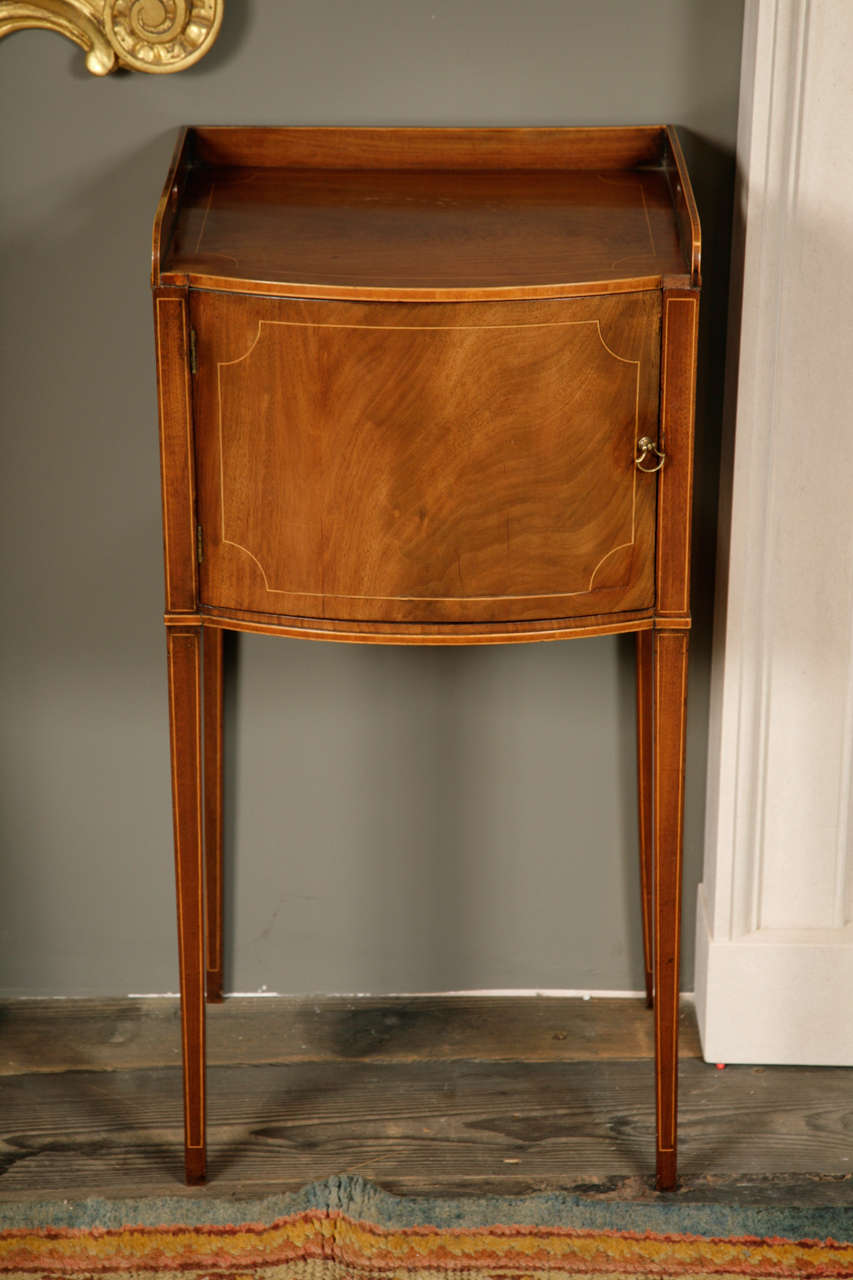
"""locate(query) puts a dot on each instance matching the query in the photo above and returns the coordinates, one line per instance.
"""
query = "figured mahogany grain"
(375, 463)
(459, 149)
(398, 232)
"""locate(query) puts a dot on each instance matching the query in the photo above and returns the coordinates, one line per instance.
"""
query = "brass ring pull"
(645, 446)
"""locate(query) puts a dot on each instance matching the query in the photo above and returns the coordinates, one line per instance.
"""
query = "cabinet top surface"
(426, 213)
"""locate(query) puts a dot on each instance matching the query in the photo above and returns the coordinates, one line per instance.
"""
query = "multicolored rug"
(346, 1229)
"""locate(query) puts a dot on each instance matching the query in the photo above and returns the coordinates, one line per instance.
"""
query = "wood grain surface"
(435, 633)
(334, 147)
(417, 1128)
(110, 1035)
(389, 213)
(373, 233)
(670, 714)
(469, 463)
(675, 494)
(171, 331)
(213, 777)
(645, 789)
(184, 680)
(684, 208)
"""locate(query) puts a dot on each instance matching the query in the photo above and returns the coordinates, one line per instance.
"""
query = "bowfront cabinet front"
(433, 387)
(459, 462)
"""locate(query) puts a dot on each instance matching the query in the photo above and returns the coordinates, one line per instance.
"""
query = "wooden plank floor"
(422, 1095)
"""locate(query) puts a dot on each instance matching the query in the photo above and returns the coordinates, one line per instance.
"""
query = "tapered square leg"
(212, 686)
(670, 700)
(645, 742)
(183, 654)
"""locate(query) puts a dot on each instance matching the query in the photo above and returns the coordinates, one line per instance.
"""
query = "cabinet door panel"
(426, 462)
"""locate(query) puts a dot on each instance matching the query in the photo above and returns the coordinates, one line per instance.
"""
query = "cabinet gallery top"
(427, 214)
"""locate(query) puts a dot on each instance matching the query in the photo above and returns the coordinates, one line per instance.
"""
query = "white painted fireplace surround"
(774, 972)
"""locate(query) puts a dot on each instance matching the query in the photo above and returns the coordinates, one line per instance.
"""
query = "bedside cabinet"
(425, 386)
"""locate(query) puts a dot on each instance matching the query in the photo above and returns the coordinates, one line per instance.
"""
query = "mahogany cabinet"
(425, 386)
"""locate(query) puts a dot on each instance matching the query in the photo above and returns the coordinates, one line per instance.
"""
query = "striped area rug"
(345, 1229)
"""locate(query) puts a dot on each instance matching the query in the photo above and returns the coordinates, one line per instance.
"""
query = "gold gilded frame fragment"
(160, 36)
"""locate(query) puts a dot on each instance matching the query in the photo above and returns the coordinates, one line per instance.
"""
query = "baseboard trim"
(502, 993)
(777, 997)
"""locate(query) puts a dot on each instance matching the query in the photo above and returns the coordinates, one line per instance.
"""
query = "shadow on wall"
(237, 20)
(448, 806)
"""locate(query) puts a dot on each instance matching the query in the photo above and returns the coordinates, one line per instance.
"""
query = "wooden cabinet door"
(426, 462)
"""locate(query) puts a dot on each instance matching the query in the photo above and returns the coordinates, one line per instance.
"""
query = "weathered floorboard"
(110, 1035)
(423, 1096)
(416, 1127)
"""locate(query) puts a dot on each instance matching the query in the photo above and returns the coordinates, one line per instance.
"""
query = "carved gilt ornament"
(143, 35)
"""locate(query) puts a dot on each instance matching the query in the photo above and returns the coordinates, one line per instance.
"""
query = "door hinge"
(193, 353)
(199, 543)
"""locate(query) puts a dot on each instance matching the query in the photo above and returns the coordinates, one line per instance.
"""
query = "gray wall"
(398, 820)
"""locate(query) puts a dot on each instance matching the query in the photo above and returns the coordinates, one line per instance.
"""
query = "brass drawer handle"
(645, 446)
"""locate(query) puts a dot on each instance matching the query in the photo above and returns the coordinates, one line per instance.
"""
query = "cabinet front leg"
(212, 654)
(670, 699)
(645, 746)
(183, 645)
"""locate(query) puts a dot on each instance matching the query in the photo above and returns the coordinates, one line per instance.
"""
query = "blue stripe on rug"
(352, 1195)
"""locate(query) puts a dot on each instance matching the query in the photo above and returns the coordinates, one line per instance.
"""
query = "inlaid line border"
(301, 324)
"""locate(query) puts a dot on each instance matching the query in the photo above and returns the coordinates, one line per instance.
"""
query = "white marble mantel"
(774, 979)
